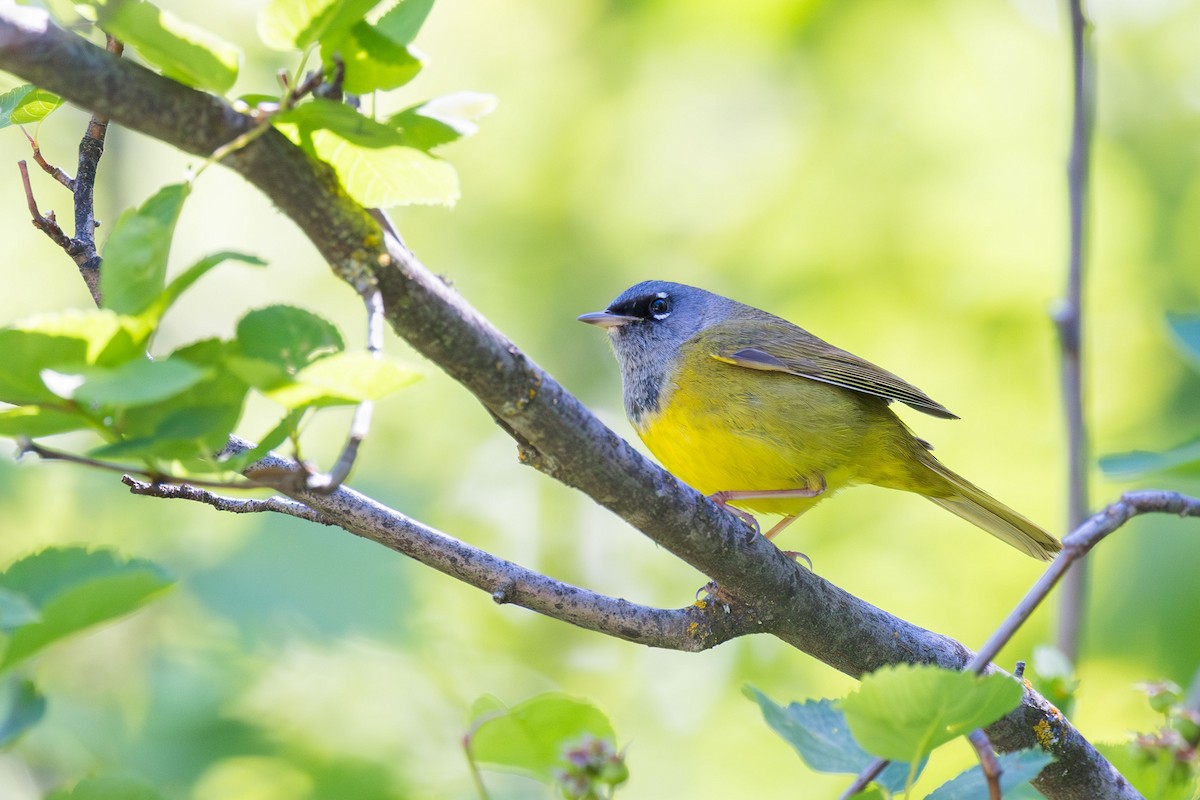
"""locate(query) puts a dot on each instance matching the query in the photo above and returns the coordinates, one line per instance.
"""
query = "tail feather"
(978, 507)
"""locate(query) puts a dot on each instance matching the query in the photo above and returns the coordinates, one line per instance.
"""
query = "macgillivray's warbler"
(762, 416)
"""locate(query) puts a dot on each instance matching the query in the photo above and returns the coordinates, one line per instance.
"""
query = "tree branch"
(563, 437)
(1069, 319)
(693, 628)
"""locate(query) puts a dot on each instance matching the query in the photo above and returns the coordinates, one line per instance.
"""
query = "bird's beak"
(606, 319)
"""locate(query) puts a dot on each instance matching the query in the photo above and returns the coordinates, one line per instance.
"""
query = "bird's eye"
(660, 307)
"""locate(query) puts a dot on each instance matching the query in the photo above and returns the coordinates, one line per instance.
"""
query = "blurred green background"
(890, 176)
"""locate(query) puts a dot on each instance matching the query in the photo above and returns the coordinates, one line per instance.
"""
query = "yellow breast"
(721, 427)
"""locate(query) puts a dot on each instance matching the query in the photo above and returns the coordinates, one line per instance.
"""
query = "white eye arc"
(660, 306)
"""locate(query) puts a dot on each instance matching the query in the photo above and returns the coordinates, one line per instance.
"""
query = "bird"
(764, 417)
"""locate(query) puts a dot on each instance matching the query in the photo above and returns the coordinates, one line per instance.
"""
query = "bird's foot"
(797, 556)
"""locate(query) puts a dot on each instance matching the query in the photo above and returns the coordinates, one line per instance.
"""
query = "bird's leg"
(724, 498)
(721, 498)
(779, 526)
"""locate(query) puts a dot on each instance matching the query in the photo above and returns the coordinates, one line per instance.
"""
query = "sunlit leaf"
(1016, 768)
(817, 730)
(342, 379)
(372, 161)
(24, 706)
(529, 738)
(135, 254)
(904, 712)
(373, 62)
(183, 51)
(26, 104)
(26, 355)
(295, 24)
(443, 119)
(72, 589)
(402, 22)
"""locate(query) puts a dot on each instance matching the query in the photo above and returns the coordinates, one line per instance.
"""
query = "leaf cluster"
(902, 714)
(89, 370)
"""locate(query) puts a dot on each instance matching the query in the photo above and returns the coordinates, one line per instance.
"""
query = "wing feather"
(783, 347)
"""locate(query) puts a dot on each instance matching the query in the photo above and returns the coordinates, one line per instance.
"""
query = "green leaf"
(1187, 335)
(26, 354)
(26, 104)
(1016, 768)
(1183, 461)
(108, 787)
(373, 62)
(184, 280)
(904, 712)
(64, 340)
(343, 379)
(371, 160)
(134, 383)
(25, 708)
(36, 421)
(443, 119)
(817, 730)
(295, 24)
(402, 22)
(287, 336)
(72, 589)
(529, 737)
(16, 610)
(193, 424)
(484, 706)
(183, 51)
(135, 254)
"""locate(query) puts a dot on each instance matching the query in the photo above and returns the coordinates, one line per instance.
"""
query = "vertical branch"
(1070, 325)
(91, 148)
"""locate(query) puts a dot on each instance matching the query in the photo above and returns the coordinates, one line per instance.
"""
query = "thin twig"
(1075, 546)
(47, 224)
(234, 505)
(1069, 318)
(870, 773)
(48, 168)
(360, 426)
(25, 446)
(987, 760)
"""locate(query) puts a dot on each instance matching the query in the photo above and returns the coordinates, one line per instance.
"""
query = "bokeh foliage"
(890, 176)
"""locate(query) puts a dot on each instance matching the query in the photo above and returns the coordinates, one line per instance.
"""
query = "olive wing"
(783, 347)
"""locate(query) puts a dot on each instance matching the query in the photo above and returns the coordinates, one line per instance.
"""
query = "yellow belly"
(721, 427)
